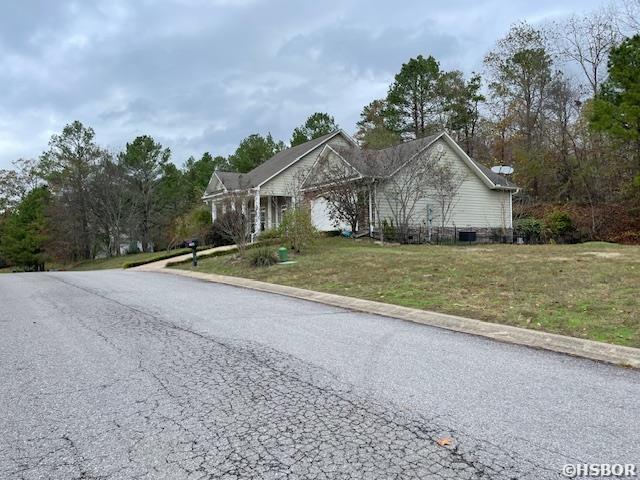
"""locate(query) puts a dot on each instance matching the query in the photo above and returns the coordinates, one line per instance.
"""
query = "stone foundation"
(449, 235)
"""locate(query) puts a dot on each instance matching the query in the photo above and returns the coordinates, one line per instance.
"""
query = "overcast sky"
(200, 75)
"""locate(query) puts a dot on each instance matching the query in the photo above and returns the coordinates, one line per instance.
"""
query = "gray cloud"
(202, 74)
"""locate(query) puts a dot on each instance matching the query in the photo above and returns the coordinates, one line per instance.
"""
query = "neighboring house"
(482, 204)
(268, 190)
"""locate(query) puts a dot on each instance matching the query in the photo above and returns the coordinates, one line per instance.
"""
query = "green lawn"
(589, 290)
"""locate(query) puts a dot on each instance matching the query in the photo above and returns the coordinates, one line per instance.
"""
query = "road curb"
(599, 351)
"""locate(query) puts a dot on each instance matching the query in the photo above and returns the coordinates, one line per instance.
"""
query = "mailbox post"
(193, 244)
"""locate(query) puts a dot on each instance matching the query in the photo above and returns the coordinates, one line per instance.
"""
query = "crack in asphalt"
(197, 406)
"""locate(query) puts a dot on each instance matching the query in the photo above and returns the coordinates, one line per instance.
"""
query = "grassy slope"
(587, 290)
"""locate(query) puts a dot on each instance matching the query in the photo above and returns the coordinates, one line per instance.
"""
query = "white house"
(483, 203)
(268, 190)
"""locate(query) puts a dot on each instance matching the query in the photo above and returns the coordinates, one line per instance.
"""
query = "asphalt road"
(117, 375)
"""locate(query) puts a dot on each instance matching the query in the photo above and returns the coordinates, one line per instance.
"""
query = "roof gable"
(272, 167)
(284, 159)
(387, 162)
(377, 163)
(329, 167)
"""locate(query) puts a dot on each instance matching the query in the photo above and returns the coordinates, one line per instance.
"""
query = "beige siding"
(476, 206)
(287, 181)
(214, 185)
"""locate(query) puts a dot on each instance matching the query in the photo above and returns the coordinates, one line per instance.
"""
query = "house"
(268, 190)
(480, 208)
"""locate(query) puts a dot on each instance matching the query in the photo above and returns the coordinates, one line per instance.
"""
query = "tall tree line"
(79, 200)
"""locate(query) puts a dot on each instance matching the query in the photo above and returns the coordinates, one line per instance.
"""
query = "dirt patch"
(602, 254)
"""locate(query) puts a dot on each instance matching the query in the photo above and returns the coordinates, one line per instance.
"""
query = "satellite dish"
(502, 169)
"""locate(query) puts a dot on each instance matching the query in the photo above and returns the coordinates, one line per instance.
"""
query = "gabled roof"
(231, 180)
(386, 162)
(496, 178)
(276, 164)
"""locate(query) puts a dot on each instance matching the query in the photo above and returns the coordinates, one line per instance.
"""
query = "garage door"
(320, 215)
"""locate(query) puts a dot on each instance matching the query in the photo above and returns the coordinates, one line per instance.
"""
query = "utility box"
(283, 254)
(467, 236)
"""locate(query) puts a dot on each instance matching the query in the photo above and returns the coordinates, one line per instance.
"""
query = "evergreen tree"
(24, 233)
(315, 126)
(254, 150)
(616, 110)
(413, 98)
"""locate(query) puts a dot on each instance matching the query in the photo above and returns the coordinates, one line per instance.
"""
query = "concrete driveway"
(121, 374)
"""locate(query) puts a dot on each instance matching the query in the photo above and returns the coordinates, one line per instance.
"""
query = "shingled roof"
(277, 163)
(371, 163)
(496, 178)
(385, 162)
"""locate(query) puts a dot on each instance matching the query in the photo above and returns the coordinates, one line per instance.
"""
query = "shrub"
(263, 257)
(226, 230)
(297, 230)
(271, 234)
(388, 230)
(529, 228)
(559, 227)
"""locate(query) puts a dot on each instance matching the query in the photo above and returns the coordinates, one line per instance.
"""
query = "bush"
(218, 233)
(263, 257)
(529, 228)
(271, 234)
(297, 230)
(388, 230)
(559, 228)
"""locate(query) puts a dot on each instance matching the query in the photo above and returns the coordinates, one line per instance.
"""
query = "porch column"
(269, 221)
(370, 214)
(277, 211)
(244, 207)
(256, 206)
(214, 211)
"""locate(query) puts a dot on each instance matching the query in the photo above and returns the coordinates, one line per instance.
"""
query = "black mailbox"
(193, 245)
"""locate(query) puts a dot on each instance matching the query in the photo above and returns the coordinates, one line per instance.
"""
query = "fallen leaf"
(445, 441)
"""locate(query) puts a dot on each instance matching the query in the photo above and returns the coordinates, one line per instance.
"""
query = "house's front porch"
(264, 211)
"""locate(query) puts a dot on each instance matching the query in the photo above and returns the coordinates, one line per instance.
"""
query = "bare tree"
(234, 223)
(113, 207)
(586, 41)
(341, 185)
(295, 188)
(10, 190)
(405, 171)
(443, 186)
(629, 17)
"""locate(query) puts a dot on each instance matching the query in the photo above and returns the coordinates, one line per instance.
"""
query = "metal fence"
(448, 235)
